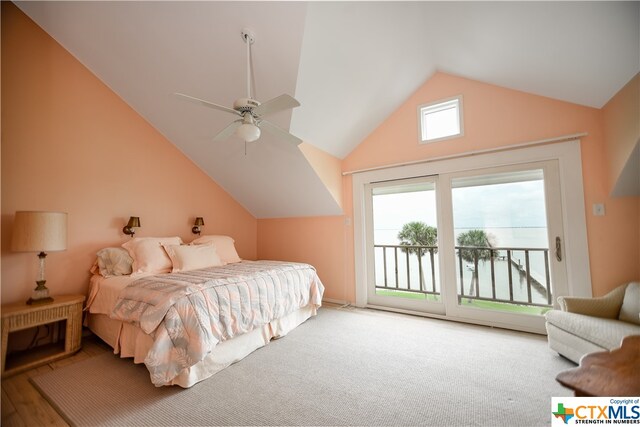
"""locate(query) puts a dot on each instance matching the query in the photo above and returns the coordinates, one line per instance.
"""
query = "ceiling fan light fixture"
(248, 132)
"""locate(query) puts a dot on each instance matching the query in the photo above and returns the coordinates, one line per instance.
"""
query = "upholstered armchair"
(585, 325)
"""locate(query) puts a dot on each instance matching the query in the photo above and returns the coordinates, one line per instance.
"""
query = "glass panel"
(405, 241)
(440, 120)
(441, 124)
(501, 242)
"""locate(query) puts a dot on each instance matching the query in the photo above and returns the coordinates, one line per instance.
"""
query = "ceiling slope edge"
(628, 182)
(327, 167)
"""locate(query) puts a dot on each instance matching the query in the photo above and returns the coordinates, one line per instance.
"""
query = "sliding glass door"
(483, 245)
(508, 236)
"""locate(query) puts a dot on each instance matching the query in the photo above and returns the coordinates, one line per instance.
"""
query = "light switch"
(598, 209)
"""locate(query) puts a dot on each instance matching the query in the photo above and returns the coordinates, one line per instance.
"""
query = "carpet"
(344, 367)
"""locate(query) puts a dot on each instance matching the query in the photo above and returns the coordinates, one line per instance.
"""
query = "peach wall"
(70, 144)
(621, 127)
(494, 117)
(324, 242)
(327, 167)
(303, 240)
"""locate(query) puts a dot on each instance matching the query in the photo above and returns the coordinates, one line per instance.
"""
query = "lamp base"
(40, 294)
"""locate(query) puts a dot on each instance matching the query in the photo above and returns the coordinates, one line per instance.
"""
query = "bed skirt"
(130, 341)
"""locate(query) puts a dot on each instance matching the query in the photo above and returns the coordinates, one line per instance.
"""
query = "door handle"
(558, 248)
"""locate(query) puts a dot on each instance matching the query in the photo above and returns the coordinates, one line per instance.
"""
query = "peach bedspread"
(189, 313)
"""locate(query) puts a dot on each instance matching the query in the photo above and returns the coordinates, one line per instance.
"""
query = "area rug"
(344, 367)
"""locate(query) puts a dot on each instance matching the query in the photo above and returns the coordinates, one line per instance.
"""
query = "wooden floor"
(23, 405)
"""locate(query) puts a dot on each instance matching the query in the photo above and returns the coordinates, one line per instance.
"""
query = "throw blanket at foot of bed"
(189, 313)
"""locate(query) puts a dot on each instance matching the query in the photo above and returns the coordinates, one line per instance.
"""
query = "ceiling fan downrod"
(248, 37)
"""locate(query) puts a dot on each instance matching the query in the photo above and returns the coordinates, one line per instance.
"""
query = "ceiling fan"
(249, 126)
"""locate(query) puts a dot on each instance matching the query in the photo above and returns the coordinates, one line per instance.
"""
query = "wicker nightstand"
(16, 317)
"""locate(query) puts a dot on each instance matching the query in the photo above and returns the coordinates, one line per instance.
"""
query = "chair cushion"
(570, 346)
(606, 333)
(630, 310)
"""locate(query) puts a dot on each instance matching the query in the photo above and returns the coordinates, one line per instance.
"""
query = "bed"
(186, 326)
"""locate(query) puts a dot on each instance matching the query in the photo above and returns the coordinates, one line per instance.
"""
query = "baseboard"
(457, 319)
(335, 301)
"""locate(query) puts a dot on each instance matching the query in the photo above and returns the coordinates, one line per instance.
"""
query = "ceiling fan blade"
(279, 132)
(209, 104)
(279, 103)
(228, 131)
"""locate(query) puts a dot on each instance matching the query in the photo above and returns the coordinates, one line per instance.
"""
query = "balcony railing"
(518, 261)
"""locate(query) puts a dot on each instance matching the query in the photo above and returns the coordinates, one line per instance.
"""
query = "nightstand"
(16, 317)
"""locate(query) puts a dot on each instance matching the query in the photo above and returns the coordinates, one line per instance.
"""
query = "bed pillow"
(192, 257)
(224, 245)
(148, 254)
(114, 262)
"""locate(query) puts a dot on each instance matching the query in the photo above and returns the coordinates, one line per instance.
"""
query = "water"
(521, 237)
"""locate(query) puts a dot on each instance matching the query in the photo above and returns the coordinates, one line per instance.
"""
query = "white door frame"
(569, 160)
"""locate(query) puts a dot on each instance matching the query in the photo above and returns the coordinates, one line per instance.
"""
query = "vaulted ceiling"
(350, 64)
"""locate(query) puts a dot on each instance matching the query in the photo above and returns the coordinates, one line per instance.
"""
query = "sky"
(510, 205)
(513, 213)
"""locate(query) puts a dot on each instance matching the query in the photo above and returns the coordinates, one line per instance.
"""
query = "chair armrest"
(607, 306)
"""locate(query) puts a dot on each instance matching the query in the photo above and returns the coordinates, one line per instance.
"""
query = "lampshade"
(134, 221)
(248, 132)
(39, 232)
(199, 221)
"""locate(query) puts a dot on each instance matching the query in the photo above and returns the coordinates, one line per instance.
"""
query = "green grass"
(409, 295)
(486, 305)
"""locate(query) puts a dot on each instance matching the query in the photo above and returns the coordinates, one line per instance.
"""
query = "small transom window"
(440, 120)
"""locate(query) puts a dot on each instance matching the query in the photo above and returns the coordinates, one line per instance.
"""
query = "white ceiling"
(361, 60)
(350, 64)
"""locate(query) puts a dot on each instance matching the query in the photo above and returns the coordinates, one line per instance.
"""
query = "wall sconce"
(39, 232)
(134, 221)
(196, 225)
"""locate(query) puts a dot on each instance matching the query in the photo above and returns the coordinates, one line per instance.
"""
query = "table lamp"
(39, 232)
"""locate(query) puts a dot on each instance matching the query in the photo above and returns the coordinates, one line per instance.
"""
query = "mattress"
(128, 339)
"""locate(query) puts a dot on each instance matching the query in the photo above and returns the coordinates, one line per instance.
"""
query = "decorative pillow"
(630, 310)
(148, 254)
(187, 257)
(114, 262)
(224, 246)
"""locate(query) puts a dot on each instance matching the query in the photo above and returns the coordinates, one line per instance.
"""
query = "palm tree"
(417, 233)
(484, 243)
